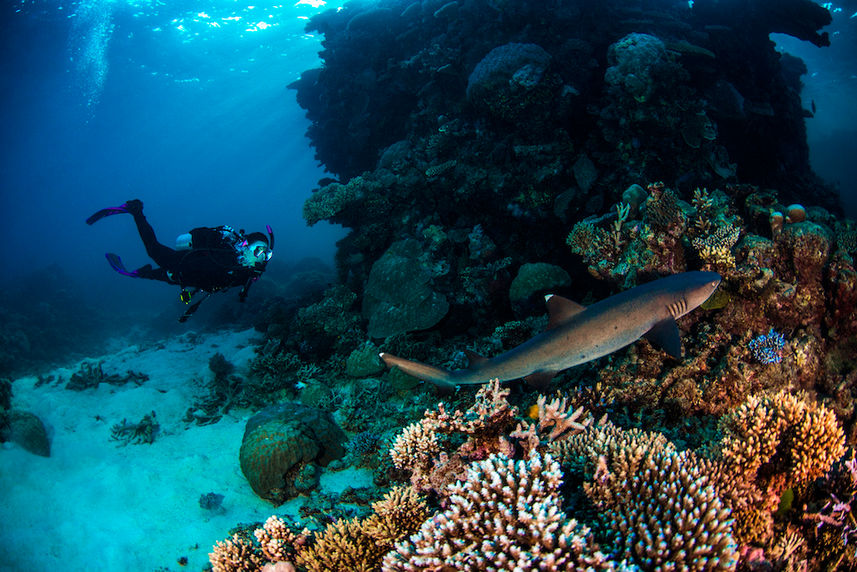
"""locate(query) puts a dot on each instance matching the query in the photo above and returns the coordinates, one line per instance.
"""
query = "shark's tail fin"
(438, 376)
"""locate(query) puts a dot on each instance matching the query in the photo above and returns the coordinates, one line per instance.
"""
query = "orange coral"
(780, 440)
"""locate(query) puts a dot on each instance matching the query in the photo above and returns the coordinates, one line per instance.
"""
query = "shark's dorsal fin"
(664, 335)
(474, 359)
(560, 309)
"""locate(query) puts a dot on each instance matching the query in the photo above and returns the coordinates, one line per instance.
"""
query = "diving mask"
(256, 252)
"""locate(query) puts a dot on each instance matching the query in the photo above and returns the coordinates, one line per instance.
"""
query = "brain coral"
(280, 440)
(398, 297)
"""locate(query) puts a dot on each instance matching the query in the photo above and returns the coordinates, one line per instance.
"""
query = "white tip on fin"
(561, 309)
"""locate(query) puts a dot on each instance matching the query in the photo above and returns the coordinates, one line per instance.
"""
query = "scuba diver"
(205, 259)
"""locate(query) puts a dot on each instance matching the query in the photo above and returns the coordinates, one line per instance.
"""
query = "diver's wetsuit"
(212, 264)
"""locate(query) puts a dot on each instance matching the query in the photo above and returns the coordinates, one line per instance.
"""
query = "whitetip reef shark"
(577, 334)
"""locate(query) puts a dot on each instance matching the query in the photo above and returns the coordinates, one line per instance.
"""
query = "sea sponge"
(280, 440)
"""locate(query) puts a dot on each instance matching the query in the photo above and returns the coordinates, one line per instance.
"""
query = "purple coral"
(768, 348)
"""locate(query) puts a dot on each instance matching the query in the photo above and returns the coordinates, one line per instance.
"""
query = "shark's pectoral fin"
(540, 379)
(561, 310)
(474, 359)
(664, 335)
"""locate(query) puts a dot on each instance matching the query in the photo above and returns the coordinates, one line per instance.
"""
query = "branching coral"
(660, 506)
(780, 440)
(485, 425)
(415, 448)
(235, 555)
(715, 249)
(555, 422)
(506, 515)
(355, 544)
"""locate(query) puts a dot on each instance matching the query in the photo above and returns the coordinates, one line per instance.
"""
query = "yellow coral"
(342, 545)
(414, 447)
(799, 440)
(235, 555)
(716, 248)
(399, 514)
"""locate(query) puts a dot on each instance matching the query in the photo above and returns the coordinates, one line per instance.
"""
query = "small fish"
(578, 334)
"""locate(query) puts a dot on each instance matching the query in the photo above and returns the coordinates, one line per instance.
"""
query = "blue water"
(181, 104)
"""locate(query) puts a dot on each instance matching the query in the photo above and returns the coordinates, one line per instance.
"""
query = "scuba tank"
(184, 241)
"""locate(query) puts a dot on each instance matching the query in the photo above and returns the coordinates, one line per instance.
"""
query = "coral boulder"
(280, 441)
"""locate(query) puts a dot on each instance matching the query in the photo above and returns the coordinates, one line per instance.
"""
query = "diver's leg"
(163, 255)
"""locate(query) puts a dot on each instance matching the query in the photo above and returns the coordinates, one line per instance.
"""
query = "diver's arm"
(242, 296)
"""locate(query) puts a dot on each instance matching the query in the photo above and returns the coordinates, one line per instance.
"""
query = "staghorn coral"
(277, 541)
(342, 546)
(415, 447)
(555, 422)
(400, 513)
(506, 515)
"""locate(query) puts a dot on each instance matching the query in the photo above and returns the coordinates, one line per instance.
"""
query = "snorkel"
(270, 239)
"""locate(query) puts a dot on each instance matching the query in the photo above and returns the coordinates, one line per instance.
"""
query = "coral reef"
(356, 544)
(465, 142)
(90, 375)
(505, 515)
(281, 445)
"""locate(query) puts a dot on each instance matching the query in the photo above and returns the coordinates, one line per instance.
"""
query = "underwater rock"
(510, 81)
(585, 173)
(280, 441)
(633, 63)
(809, 244)
(5, 393)
(26, 430)
(398, 297)
(536, 278)
(364, 361)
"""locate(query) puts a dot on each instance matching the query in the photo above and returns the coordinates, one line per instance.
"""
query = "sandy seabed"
(95, 504)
